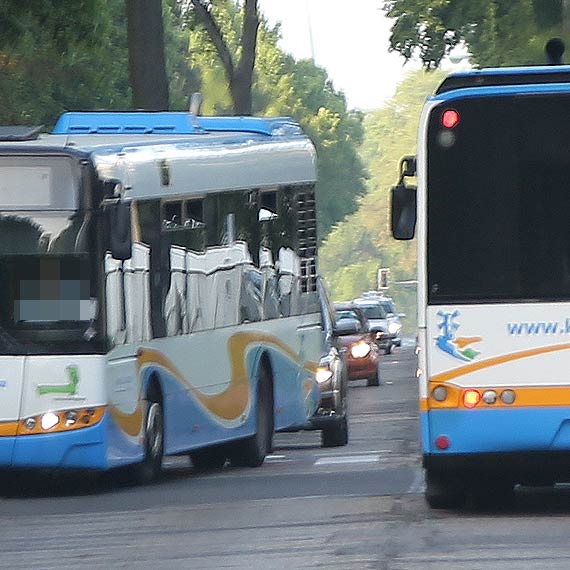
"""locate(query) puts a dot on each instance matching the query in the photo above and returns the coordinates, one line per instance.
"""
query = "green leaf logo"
(69, 389)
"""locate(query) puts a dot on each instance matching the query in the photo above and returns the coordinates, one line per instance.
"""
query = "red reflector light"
(471, 398)
(450, 118)
(442, 442)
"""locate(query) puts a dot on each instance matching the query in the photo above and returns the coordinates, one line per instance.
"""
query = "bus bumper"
(526, 443)
(79, 449)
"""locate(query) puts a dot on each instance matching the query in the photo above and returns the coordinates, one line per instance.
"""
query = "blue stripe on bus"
(496, 430)
(497, 90)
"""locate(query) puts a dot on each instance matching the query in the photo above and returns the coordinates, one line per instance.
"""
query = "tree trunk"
(147, 66)
(565, 19)
(242, 81)
(240, 90)
(240, 78)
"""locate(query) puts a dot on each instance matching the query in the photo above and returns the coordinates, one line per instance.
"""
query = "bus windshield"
(47, 289)
(498, 203)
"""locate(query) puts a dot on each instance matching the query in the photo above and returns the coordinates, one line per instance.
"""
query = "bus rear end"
(494, 255)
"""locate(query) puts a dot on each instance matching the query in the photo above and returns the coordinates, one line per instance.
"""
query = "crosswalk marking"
(345, 459)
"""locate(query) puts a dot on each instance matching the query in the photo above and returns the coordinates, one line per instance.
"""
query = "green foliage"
(361, 244)
(59, 55)
(497, 32)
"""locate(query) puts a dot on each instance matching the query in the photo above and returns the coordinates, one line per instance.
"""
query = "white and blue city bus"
(159, 293)
(493, 234)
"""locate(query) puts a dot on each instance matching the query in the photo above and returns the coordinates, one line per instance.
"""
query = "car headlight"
(393, 328)
(323, 374)
(360, 349)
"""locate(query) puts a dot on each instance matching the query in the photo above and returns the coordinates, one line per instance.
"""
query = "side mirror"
(408, 166)
(119, 217)
(403, 211)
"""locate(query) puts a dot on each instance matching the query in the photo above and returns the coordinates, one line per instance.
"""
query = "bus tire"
(443, 492)
(208, 458)
(335, 435)
(150, 468)
(251, 452)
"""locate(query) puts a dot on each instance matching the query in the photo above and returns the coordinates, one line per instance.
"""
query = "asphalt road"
(357, 507)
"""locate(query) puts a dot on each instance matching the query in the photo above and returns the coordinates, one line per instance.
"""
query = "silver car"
(379, 322)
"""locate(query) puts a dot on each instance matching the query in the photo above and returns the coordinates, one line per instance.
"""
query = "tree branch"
(249, 38)
(204, 12)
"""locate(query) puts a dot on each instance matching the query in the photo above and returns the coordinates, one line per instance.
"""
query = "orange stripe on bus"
(526, 397)
(495, 361)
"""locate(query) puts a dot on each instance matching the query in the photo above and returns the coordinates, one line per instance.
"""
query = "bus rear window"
(498, 200)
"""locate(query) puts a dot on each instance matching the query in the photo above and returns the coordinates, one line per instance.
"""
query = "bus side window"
(194, 213)
(183, 230)
(149, 228)
(171, 215)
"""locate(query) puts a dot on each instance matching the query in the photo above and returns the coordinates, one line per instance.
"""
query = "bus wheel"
(209, 458)
(251, 452)
(150, 468)
(443, 492)
(335, 435)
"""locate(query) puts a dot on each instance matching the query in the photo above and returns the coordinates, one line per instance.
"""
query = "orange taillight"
(471, 398)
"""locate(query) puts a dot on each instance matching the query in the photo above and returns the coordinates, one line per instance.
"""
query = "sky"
(349, 39)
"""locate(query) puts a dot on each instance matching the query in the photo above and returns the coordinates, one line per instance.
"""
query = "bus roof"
(168, 123)
(203, 154)
(502, 76)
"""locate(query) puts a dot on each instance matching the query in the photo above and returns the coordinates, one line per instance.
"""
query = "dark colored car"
(331, 416)
(358, 343)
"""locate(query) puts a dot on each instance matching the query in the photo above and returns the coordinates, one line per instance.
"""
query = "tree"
(147, 66)
(60, 55)
(362, 243)
(285, 87)
(239, 74)
(497, 32)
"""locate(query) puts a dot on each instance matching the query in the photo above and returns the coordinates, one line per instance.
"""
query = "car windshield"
(346, 314)
(374, 311)
(388, 306)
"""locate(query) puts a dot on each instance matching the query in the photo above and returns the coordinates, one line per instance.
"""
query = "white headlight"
(393, 328)
(360, 349)
(49, 420)
(323, 374)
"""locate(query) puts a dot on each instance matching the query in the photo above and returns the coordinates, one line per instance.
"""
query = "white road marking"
(418, 484)
(347, 459)
(275, 457)
(350, 453)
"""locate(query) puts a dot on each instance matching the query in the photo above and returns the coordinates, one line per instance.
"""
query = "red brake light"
(442, 442)
(450, 118)
(471, 398)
